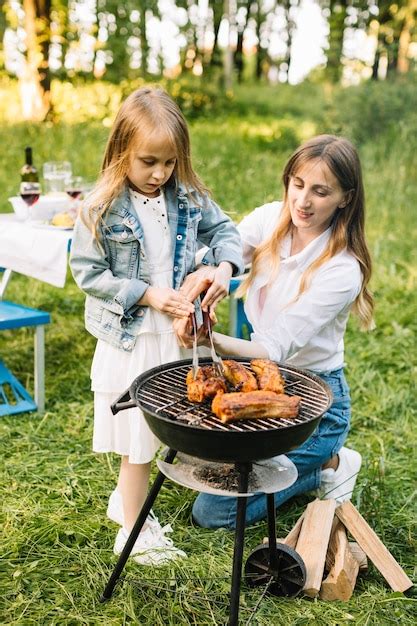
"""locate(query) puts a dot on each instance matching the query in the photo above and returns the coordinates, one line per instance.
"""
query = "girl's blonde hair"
(146, 113)
(347, 227)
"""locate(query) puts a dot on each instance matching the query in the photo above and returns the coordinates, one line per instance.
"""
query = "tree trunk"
(228, 54)
(336, 36)
(375, 64)
(238, 56)
(288, 4)
(217, 8)
(144, 47)
(2, 31)
(258, 69)
(35, 78)
(403, 62)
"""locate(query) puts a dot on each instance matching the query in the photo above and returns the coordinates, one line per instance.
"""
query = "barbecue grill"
(193, 429)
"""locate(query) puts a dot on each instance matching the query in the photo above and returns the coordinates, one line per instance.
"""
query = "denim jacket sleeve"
(91, 270)
(218, 232)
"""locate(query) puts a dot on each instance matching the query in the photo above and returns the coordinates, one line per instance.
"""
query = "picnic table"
(34, 249)
(41, 252)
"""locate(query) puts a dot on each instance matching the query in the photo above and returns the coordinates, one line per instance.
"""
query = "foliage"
(119, 40)
(194, 96)
(366, 111)
(57, 542)
(80, 101)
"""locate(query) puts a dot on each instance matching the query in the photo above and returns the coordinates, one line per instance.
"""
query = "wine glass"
(30, 192)
(74, 187)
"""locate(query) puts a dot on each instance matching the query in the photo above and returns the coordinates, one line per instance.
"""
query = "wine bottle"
(29, 173)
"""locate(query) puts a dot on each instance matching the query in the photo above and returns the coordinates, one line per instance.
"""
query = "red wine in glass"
(74, 187)
(30, 192)
(30, 198)
(74, 193)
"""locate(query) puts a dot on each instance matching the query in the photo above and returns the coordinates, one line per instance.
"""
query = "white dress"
(113, 370)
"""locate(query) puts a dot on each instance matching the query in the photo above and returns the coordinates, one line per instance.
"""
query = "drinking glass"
(30, 192)
(55, 174)
(74, 186)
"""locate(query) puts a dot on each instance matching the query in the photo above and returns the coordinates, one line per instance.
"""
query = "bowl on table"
(43, 209)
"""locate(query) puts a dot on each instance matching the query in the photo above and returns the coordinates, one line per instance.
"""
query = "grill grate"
(165, 394)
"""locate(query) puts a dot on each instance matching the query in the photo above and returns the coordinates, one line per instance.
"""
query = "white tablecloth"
(34, 250)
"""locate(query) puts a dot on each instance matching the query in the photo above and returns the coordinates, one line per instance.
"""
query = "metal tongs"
(195, 346)
(217, 362)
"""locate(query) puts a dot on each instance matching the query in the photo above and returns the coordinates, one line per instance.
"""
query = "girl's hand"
(169, 301)
(184, 331)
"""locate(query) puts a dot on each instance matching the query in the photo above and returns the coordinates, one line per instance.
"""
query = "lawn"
(57, 542)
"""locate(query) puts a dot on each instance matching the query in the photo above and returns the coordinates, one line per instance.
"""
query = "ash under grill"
(165, 394)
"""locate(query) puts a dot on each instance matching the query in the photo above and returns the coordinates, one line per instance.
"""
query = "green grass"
(57, 542)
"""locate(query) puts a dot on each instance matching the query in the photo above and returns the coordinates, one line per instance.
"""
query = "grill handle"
(123, 402)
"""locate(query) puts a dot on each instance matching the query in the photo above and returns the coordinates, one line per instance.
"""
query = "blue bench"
(13, 396)
(239, 325)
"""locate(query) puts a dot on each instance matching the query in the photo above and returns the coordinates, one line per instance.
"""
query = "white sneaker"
(339, 484)
(151, 547)
(115, 508)
(115, 513)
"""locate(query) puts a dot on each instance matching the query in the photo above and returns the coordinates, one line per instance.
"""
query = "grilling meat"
(239, 377)
(254, 404)
(205, 385)
(268, 375)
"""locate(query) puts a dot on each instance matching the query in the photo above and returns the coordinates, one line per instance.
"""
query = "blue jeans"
(212, 511)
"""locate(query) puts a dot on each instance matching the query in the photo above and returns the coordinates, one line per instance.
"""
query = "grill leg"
(273, 554)
(243, 469)
(108, 591)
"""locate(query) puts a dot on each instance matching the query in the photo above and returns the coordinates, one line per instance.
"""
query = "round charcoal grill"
(183, 426)
(192, 428)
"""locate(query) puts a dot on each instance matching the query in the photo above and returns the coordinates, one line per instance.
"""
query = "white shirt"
(309, 332)
(153, 216)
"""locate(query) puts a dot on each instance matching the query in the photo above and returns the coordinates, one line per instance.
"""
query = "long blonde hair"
(145, 113)
(347, 227)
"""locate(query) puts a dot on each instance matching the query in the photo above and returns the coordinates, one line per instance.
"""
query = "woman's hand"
(219, 287)
(169, 301)
(185, 333)
(213, 280)
(198, 281)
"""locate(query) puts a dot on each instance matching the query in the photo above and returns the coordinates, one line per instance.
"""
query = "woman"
(310, 267)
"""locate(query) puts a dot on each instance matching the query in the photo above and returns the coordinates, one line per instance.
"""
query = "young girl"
(133, 245)
(310, 266)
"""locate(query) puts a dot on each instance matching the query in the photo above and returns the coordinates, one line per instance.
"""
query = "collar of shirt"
(309, 254)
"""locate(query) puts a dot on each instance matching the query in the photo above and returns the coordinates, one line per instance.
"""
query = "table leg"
(40, 367)
(4, 281)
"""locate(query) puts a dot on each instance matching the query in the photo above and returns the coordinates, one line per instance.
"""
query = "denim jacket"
(114, 272)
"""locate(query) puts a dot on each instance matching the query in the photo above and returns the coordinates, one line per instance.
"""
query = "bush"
(373, 108)
(81, 101)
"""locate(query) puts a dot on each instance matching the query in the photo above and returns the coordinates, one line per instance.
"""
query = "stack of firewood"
(320, 538)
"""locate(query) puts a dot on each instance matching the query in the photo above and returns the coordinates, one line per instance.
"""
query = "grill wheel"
(286, 580)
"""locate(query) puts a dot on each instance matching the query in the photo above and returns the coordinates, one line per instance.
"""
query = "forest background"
(62, 78)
